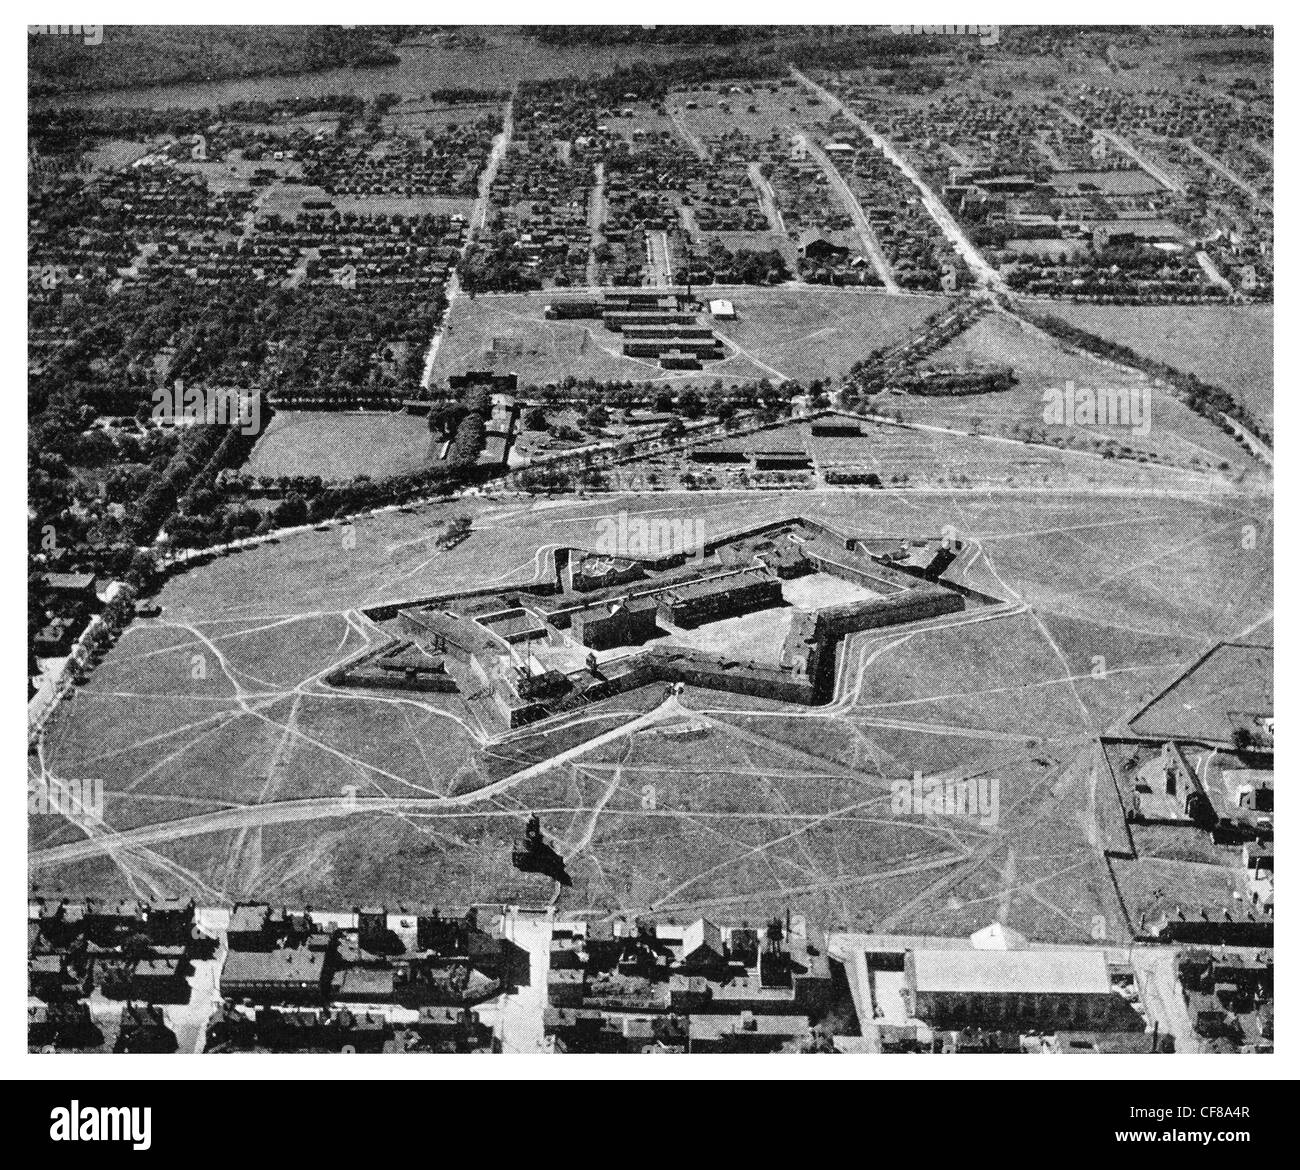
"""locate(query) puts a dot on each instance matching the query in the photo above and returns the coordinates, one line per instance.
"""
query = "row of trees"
(1207, 400)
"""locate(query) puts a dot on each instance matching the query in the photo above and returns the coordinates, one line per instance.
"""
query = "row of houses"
(278, 957)
(696, 987)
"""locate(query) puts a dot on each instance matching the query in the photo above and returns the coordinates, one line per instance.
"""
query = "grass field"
(767, 807)
(943, 451)
(1234, 679)
(811, 333)
(1178, 436)
(1230, 347)
(772, 113)
(338, 446)
(777, 334)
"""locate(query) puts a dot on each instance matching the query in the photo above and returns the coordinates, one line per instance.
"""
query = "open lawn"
(771, 113)
(339, 445)
(1230, 346)
(815, 333)
(778, 333)
(1177, 435)
(947, 453)
(232, 764)
(1233, 682)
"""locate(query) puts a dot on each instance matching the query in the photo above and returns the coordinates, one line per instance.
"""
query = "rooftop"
(1045, 972)
(287, 965)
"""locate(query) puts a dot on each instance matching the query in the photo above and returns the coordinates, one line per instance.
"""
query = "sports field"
(339, 445)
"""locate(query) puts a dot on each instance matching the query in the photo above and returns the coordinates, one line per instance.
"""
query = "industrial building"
(1009, 989)
(657, 331)
(653, 347)
(616, 320)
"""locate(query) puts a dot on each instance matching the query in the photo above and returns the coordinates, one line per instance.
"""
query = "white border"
(14, 1059)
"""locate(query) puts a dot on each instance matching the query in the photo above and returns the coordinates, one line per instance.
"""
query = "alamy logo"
(989, 34)
(1108, 407)
(90, 34)
(655, 537)
(106, 1123)
(176, 403)
(78, 800)
(977, 797)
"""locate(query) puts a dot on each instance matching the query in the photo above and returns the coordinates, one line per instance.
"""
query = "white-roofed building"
(702, 945)
(1014, 989)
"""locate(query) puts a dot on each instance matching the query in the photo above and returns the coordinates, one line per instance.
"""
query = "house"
(702, 947)
(247, 929)
(565, 988)
(169, 921)
(814, 245)
(78, 587)
(362, 985)
(45, 977)
(55, 639)
(161, 980)
(143, 1028)
(747, 1032)
(718, 597)
(458, 1028)
(282, 975)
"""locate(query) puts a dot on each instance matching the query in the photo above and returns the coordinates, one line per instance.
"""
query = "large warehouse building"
(1013, 989)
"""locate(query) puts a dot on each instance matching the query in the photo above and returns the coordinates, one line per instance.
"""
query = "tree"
(690, 404)
(535, 419)
(597, 418)
(445, 419)
(291, 512)
(1243, 740)
(471, 438)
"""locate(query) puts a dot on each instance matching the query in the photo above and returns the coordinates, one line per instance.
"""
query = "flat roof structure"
(970, 971)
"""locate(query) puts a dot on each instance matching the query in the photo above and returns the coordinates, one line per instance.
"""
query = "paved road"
(1208, 267)
(661, 273)
(1227, 172)
(1157, 980)
(517, 1019)
(767, 198)
(596, 224)
(477, 218)
(984, 272)
(1163, 177)
(692, 139)
(867, 237)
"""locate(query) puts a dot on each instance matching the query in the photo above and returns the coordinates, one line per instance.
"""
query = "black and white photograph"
(635, 539)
